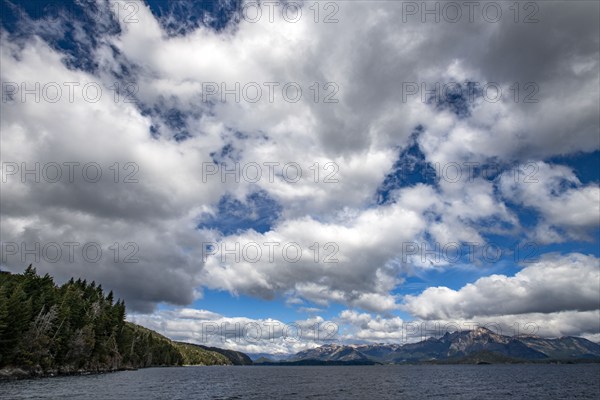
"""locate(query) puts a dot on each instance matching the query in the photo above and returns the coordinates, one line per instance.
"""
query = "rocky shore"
(15, 373)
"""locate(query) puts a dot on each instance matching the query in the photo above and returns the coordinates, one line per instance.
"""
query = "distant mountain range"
(474, 346)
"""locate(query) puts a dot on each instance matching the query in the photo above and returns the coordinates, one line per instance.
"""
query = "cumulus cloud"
(557, 194)
(370, 328)
(356, 259)
(177, 126)
(248, 335)
(554, 284)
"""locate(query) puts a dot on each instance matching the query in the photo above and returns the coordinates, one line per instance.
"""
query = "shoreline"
(18, 373)
(11, 373)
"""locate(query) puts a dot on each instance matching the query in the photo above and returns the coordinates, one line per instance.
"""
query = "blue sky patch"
(182, 16)
(408, 170)
(258, 212)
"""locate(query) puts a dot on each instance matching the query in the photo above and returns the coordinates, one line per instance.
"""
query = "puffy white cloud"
(558, 195)
(240, 333)
(370, 56)
(148, 192)
(553, 284)
(371, 329)
(360, 256)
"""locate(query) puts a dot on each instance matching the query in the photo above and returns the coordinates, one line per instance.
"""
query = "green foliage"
(195, 355)
(146, 348)
(72, 327)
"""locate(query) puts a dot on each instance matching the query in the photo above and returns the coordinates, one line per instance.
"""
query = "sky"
(273, 177)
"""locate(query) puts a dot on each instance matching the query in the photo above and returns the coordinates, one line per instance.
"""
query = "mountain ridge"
(480, 345)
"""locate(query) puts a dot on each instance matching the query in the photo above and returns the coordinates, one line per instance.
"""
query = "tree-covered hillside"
(72, 327)
(194, 355)
(45, 328)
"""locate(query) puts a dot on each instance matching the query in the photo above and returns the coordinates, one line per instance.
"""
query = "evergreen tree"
(71, 327)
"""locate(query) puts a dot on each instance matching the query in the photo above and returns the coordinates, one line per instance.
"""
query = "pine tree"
(3, 323)
(19, 316)
(71, 327)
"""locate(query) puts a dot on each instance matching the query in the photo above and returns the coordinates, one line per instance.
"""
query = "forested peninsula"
(76, 328)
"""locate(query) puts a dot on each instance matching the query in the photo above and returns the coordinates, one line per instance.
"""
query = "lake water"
(318, 382)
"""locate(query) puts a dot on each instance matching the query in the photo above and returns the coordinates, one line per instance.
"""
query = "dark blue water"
(351, 382)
